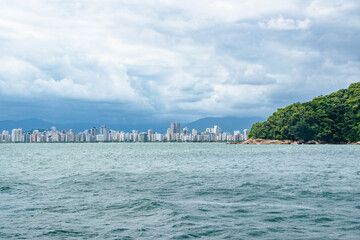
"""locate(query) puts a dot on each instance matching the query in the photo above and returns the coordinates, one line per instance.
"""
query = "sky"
(136, 61)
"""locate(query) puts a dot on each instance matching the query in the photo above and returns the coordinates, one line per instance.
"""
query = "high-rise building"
(104, 130)
(246, 133)
(27, 137)
(237, 136)
(93, 131)
(217, 130)
(159, 137)
(88, 136)
(151, 135)
(134, 136)
(174, 130)
(70, 136)
(5, 136)
(143, 137)
(16, 135)
(186, 130)
(178, 128)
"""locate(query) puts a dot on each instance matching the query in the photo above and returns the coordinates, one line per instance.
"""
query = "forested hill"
(334, 118)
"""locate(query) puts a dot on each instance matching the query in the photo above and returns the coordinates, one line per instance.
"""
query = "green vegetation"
(333, 118)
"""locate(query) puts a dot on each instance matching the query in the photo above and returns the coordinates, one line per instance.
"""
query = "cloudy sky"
(121, 61)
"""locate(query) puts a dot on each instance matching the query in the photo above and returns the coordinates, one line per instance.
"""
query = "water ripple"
(179, 191)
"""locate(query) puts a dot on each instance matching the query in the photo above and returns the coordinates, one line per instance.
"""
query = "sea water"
(179, 191)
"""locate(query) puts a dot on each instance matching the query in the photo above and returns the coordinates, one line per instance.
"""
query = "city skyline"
(105, 134)
(228, 124)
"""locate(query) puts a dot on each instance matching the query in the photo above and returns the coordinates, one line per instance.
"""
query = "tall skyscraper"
(70, 136)
(174, 129)
(16, 135)
(150, 135)
(104, 130)
(194, 132)
(134, 135)
(246, 133)
(5, 136)
(178, 128)
(217, 130)
(186, 130)
(143, 137)
(93, 131)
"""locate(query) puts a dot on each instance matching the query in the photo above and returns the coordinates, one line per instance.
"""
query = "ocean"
(179, 191)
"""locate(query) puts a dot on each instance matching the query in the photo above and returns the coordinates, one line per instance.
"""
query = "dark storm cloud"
(125, 61)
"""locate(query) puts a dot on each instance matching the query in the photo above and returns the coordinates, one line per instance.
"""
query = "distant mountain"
(156, 127)
(227, 124)
(25, 124)
(34, 123)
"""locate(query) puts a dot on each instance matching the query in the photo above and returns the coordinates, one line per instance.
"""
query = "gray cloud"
(281, 23)
(177, 59)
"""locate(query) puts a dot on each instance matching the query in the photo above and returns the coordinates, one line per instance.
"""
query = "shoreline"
(287, 142)
(247, 142)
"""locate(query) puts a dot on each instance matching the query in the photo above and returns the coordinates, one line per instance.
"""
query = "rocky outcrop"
(265, 141)
(270, 141)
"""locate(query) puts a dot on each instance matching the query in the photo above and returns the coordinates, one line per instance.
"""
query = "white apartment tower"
(16, 135)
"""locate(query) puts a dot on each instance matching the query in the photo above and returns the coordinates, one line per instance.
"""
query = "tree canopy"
(333, 118)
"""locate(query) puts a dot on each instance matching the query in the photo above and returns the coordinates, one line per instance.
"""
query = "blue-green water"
(179, 191)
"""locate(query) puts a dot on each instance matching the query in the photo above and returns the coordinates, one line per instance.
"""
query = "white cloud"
(281, 23)
(330, 8)
(105, 81)
(170, 57)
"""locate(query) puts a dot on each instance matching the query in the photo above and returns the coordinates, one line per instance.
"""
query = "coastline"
(286, 142)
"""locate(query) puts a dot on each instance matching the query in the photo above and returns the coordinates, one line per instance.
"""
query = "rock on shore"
(270, 141)
(265, 141)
